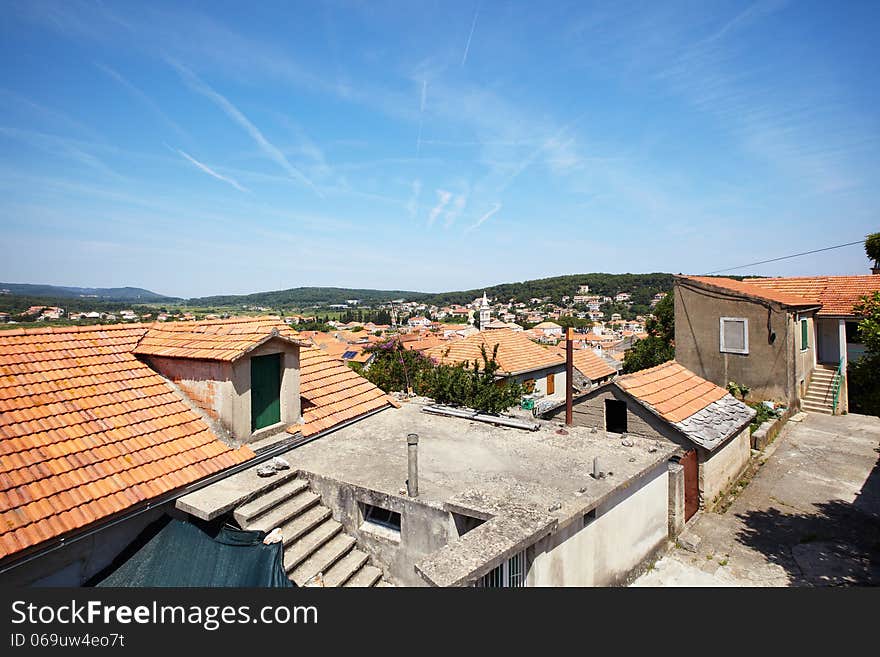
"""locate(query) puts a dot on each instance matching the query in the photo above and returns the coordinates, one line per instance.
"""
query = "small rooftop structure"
(705, 413)
(223, 340)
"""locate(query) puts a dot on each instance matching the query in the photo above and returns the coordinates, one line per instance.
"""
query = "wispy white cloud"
(145, 99)
(458, 205)
(467, 46)
(60, 146)
(268, 148)
(444, 198)
(483, 219)
(211, 172)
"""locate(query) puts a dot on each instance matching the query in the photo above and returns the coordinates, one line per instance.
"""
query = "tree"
(659, 346)
(872, 248)
(396, 368)
(474, 385)
(862, 377)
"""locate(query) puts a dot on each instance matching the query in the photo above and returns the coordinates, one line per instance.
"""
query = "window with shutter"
(805, 336)
(735, 335)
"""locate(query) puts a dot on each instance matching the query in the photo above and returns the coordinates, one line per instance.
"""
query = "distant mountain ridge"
(133, 294)
(642, 286)
(306, 296)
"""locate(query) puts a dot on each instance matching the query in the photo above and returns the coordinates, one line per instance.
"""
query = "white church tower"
(484, 313)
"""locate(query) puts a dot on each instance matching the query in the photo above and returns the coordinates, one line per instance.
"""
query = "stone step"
(306, 545)
(271, 498)
(384, 583)
(323, 559)
(345, 568)
(367, 576)
(305, 522)
(806, 406)
(283, 512)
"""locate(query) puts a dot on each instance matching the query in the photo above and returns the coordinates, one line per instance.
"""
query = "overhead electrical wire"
(795, 255)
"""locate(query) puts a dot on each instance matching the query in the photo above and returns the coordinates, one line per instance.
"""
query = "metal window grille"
(508, 574)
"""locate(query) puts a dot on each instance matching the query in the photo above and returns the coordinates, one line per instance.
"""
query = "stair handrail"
(835, 386)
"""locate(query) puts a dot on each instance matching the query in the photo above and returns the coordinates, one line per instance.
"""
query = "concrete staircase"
(820, 396)
(316, 549)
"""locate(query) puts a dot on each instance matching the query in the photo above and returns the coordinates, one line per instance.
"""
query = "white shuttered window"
(735, 335)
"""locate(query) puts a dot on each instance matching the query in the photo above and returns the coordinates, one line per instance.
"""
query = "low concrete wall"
(80, 560)
(629, 528)
(676, 499)
(721, 468)
(424, 528)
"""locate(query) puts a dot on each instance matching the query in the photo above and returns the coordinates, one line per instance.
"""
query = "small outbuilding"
(670, 402)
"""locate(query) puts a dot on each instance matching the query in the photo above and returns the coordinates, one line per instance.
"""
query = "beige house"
(787, 339)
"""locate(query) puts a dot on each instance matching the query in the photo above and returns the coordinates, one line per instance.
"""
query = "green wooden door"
(265, 391)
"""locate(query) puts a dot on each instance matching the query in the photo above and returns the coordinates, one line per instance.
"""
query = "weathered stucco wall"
(424, 529)
(589, 411)
(207, 383)
(719, 469)
(629, 528)
(768, 369)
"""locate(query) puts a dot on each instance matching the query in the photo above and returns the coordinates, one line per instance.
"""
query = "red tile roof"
(225, 340)
(333, 393)
(588, 363)
(837, 294)
(747, 288)
(673, 391)
(516, 352)
(87, 430)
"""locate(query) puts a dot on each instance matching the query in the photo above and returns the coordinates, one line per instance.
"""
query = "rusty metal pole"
(569, 375)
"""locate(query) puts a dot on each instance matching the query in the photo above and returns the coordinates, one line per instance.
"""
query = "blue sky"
(236, 147)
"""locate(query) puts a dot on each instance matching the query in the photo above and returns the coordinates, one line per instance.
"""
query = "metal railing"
(836, 382)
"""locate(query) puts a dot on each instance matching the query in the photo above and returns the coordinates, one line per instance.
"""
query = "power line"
(795, 255)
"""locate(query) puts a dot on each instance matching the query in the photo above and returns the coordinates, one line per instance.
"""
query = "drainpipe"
(412, 462)
(569, 375)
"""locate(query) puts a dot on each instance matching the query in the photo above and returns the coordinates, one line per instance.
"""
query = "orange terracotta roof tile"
(747, 288)
(702, 411)
(588, 363)
(223, 339)
(333, 393)
(672, 390)
(516, 352)
(87, 430)
(837, 294)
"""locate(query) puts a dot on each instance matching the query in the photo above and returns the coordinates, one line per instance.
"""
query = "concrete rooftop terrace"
(478, 466)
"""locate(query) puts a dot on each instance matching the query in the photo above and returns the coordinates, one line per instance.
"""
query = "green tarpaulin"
(184, 554)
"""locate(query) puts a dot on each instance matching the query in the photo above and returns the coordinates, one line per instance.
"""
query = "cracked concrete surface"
(810, 517)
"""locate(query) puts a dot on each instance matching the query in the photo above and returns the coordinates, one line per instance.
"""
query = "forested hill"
(643, 287)
(305, 297)
(122, 294)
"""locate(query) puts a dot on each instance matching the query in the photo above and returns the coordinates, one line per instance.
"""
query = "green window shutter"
(804, 335)
(265, 391)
